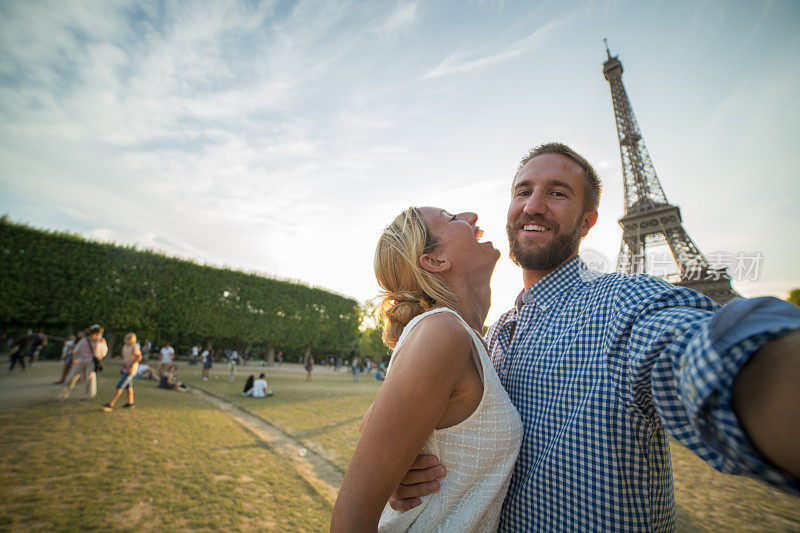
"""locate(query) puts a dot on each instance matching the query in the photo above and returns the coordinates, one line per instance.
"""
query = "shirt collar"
(547, 290)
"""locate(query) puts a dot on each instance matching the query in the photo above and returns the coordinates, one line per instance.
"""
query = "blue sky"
(280, 137)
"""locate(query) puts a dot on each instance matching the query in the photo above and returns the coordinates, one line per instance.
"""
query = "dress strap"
(477, 345)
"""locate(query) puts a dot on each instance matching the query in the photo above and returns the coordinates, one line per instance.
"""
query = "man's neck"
(530, 277)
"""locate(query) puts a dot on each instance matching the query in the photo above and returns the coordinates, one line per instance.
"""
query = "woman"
(169, 380)
(309, 368)
(131, 356)
(441, 393)
(248, 385)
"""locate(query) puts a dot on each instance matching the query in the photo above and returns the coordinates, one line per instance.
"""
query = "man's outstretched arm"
(688, 359)
(766, 400)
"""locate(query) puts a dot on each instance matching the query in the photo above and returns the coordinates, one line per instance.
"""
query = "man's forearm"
(766, 399)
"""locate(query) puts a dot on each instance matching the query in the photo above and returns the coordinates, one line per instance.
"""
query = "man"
(167, 355)
(131, 356)
(602, 367)
(260, 388)
(90, 348)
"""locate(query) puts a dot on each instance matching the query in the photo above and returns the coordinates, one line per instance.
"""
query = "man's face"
(546, 219)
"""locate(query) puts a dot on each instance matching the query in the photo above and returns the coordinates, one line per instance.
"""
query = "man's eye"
(559, 194)
(523, 193)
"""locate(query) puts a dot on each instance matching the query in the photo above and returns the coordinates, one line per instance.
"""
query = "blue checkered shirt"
(602, 367)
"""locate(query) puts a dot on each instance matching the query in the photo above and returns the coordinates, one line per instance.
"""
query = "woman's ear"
(431, 264)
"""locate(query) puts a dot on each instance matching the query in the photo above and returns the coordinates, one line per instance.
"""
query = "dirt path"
(314, 468)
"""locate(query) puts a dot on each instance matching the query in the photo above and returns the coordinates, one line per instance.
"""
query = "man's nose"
(535, 205)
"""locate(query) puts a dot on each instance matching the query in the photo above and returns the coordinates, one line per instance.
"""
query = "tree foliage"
(794, 296)
(371, 346)
(61, 282)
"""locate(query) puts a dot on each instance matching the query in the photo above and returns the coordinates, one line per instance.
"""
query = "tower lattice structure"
(650, 220)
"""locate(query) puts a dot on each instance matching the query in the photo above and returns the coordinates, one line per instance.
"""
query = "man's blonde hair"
(408, 289)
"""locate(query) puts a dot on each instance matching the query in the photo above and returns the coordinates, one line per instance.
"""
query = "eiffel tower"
(650, 220)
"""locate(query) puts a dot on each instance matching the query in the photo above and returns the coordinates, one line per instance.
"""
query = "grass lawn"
(172, 463)
(324, 414)
(178, 463)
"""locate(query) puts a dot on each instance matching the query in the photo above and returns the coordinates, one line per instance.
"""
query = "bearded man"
(603, 367)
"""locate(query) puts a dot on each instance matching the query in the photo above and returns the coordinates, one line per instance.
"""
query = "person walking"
(208, 360)
(232, 367)
(309, 368)
(90, 349)
(66, 358)
(131, 355)
(18, 352)
(39, 342)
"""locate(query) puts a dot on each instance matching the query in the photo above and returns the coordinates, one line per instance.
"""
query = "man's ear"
(431, 264)
(589, 219)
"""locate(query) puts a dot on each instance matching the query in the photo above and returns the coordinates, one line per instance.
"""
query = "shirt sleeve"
(683, 353)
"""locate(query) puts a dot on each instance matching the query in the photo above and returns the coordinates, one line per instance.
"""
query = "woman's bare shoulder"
(442, 334)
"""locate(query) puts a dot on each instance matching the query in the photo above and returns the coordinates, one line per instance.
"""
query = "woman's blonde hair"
(408, 289)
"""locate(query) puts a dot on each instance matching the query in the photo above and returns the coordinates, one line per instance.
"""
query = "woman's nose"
(470, 217)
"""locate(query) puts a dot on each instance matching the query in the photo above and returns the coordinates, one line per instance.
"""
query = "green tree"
(60, 282)
(371, 346)
(794, 296)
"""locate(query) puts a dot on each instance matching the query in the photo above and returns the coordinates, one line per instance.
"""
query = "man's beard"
(549, 256)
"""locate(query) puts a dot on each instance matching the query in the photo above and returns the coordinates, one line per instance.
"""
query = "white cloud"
(281, 137)
(460, 63)
(398, 20)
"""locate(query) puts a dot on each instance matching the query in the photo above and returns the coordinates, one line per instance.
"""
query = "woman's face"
(459, 236)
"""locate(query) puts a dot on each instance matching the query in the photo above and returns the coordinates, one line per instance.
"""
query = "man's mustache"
(539, 220)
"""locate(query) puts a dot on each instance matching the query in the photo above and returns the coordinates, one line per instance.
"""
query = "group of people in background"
(82, 358)
(29, 346)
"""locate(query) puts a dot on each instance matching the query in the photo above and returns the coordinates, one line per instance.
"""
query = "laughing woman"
(441, 394)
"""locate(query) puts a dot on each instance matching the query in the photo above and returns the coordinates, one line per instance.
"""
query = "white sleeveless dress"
(479, 454)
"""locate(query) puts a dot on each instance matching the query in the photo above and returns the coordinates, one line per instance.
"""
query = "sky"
(282, 137)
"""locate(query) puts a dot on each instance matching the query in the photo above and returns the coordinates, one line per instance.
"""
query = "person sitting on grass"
(248, 386)
(146, 372)
(260, 388)
(169, 380)
(131, 355)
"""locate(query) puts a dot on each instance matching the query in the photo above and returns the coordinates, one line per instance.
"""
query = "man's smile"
(535, 228)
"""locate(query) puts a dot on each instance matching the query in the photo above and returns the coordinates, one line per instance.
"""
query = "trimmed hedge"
(62, 282)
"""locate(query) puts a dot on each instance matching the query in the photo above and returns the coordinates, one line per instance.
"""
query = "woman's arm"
(433, 359)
